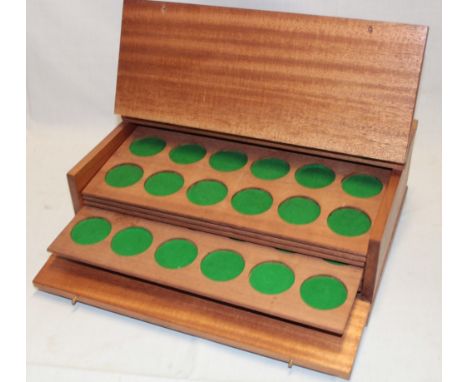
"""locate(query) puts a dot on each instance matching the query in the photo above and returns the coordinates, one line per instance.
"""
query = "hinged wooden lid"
(339, 85)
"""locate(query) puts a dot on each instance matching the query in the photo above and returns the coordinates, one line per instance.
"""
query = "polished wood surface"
(339, 85)
(282, 340)
(287, 305)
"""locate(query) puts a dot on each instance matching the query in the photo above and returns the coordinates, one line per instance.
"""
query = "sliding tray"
(293, 201)
(294, 287)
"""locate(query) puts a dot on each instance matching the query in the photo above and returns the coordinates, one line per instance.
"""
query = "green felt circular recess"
(207, 192)
(187, 154)
(176, 253)
(323, 292)
(362, 186)
(164, 183)
(222, 265)
(271, 278)
(251, 201)
(270, 168)
(299, 210)
(334, 262)
(124, 175)
(91, 231)
(145, 147)
(283, 250)
(228, 160)
(315, 176)
(349, 221)
(131, 241)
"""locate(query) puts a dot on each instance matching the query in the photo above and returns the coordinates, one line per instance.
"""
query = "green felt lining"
(222, 265)
(148, 146)
(91, 231)
(131, 241)
(349, 221)
(187, 154)
(124, 175)
(323, 292)
(207, 192)
(252, 201)
(315, 176)
(299, 210)
(271, 278)
(176, 253)
(334, 262)
(362, 185)
(283, 250)
(226, 161)
(270, 168)
(164, 183)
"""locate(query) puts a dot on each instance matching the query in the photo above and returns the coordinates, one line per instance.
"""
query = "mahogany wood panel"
(287, 305)
(268, 224)
(79, 176)
(339, 85)
(282, 340)
(384, 228)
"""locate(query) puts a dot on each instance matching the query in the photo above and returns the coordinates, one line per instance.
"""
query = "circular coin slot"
(207, 192)
(131, 241)
(270, 168)
(222, 265)
(252, 201)
(323, 292)
(187, 154)
(315, 176)
(271, 278)
(148, 146)
(227, 161)
(362, 185)
(334, 262)
(91, 231)
(349, 221)
(176, 253)
(164, 183)
(299, 210)
(124, 175)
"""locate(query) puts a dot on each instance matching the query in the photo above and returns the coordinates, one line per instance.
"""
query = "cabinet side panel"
(385, 226)
(80, 175)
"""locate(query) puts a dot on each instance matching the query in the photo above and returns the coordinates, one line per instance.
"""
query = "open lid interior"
(338, 85)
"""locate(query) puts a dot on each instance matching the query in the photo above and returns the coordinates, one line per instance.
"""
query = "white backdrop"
(72, 51)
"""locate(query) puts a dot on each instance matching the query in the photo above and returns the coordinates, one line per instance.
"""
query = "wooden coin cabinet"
(251, 192)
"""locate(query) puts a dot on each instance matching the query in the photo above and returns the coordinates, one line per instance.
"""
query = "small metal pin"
(74, 300)
(290, 364)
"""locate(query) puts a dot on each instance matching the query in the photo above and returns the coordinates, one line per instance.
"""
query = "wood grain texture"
(287, 305)
(225, 324)
(339, 85)
(382, 232)
(79, 176)
(316, 235)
